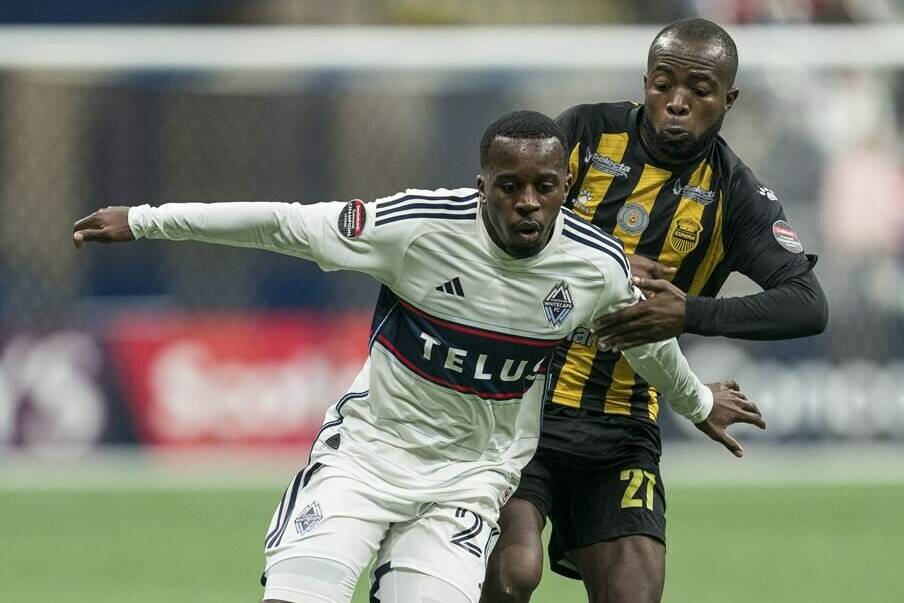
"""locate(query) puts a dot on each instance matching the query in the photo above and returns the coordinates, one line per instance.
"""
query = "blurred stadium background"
(155, 398)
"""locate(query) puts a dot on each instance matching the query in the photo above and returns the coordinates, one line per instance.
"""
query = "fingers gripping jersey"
(462, 334)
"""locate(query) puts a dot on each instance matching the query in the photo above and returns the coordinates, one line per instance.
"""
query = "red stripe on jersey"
(538, 343)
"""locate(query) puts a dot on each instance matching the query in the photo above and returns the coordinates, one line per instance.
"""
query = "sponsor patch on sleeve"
(786, 236)
(352, 219)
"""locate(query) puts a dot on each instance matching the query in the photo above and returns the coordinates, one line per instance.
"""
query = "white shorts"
(331, 515)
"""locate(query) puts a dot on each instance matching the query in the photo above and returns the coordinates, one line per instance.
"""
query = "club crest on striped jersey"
(352, 219)
(685, 235)
(558, 304)
(633, 218)
(309, 518)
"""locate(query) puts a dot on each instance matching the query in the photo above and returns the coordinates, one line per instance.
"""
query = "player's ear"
(569, 179)
(731, 97)
(481, 188)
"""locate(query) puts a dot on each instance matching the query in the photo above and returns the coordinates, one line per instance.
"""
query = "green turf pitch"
(738, 544)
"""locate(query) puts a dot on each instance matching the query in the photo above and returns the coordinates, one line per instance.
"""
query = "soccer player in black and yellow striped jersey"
(689, 211)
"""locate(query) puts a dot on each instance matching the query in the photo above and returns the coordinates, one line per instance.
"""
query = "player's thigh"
(516, 564)
(447, 542)
(520, 545)
(630, 569)
(323, 534)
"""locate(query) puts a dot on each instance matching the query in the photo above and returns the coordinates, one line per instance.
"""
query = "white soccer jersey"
(462, 334)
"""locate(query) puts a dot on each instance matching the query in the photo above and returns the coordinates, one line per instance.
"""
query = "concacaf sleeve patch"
(352, 219)
(786, 236)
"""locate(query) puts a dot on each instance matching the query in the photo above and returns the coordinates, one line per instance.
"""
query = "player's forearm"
(272, 226)
(795, 308)
(664, 366)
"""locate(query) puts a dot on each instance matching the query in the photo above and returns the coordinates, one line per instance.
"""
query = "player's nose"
(528, 201)
(678, 103)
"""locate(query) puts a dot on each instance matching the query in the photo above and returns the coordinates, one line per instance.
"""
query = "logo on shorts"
(309, 518)
(352, 219)
(786, 236)
(686, 235)
(506, 494)
(633, 218)
(558, 304)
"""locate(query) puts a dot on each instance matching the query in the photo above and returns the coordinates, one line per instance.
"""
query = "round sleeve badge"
(786, 236)
(352, 219)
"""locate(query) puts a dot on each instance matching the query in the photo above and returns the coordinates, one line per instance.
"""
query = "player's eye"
(508, 187)
(547, 187)
(661, 86)
(701, 92)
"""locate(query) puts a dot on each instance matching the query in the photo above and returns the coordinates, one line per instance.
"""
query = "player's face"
(521, 191)
(686, 96)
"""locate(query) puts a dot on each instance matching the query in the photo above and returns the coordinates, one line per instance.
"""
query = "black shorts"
(597, 478)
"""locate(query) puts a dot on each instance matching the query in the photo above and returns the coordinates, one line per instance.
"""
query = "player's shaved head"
(522, 125)
(698, 32)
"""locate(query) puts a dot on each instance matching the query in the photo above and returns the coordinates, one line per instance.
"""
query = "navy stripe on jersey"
(592, 230)
(396, 201)
(387, 302)
(426, 205)
(470, 360)
(471, 215)
(334, 422)
(619, 257)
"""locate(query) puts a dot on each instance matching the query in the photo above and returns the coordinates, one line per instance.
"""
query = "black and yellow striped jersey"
(706, 219)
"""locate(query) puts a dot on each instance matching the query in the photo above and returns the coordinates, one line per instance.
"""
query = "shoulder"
(744, 191)
(737, 177)
(593, 244)
(598, 116)
(415, 208)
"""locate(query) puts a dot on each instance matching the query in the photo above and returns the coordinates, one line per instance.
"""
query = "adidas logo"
(452, 287)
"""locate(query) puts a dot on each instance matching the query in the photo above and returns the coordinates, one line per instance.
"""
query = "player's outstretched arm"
(336, 235)
(107, 225)
(730, 406)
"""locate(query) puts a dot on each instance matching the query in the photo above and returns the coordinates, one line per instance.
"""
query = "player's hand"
(647, 268)
(659, 317)
(730, 406)
(107, 225)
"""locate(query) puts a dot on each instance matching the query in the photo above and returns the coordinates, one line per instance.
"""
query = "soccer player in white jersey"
(413, 463)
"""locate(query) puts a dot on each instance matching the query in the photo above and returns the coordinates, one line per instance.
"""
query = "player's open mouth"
(528, 231)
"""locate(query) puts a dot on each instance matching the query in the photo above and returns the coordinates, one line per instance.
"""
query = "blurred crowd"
(828, 141)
